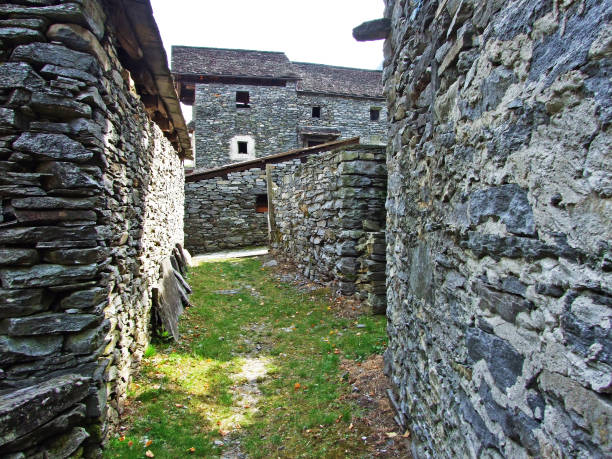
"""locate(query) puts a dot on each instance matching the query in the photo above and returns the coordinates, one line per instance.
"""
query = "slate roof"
(329, 79)
(234, 62)
(317, 78)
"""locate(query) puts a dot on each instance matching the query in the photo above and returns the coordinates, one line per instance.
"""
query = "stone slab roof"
(329, 79)
(241, 63)
(231, 62)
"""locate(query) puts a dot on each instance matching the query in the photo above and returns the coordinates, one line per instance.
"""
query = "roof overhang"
(140, 38)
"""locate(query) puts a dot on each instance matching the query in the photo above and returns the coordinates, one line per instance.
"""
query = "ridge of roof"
(228, 49)
(335, 66)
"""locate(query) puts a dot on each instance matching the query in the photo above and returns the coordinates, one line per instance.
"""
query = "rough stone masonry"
(328, 217)
(499, 225)
(91, 205)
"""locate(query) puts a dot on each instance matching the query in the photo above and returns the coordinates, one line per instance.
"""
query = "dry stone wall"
(220, 213)
(92, 202)
(329, 220)
(499, 226)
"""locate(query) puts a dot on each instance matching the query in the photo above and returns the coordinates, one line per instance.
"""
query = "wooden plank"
(272, 230)
(169, 299)
(260, 163)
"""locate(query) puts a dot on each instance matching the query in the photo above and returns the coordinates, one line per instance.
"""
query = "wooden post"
(271, 217)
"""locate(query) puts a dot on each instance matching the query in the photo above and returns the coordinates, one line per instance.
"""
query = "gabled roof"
(242, 63)
(230, 62)
(329, 79)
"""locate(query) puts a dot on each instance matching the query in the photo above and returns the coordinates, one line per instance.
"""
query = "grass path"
(255, 374)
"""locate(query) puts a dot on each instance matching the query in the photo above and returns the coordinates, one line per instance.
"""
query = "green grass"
(184, 397)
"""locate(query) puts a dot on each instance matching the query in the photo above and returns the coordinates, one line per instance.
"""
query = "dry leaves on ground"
(385, 436)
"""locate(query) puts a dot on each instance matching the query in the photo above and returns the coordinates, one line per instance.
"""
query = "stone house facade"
(250, 104)
(92, 142)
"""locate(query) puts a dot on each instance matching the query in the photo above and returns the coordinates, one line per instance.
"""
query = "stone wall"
(499, 226)
(92, 201)
(350, 115)
(269, 121)
(220, 212)
(328, 218)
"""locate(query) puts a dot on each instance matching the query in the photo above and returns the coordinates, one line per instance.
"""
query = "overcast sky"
(307, 31)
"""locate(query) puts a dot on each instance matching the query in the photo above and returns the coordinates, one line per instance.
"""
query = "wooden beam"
(378, 29)
(260, 163)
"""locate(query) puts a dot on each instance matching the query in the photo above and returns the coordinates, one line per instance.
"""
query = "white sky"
(307, 31)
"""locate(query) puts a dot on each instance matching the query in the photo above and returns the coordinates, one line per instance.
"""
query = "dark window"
(242, 99)
(261, 203)
(374, 114)
(316, 112)
(314, 143)
(243, 148)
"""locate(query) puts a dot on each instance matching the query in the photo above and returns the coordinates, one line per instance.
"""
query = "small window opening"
(261, 203)
(314, 143)
(242, 99)
(242, 148)
(374, 114)
(316, 112)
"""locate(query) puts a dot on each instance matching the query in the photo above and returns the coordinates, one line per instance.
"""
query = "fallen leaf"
(351, 426)
(149, 453)
(297, 385)
(391, 434)
(148, 443)
(130, 443)
(406, 434)
(191, 450)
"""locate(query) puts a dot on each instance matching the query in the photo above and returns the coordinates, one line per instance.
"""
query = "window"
(242, 99)
(374, 114)
(243, 148)
(261, 203)
(314, 143)
(316, 112)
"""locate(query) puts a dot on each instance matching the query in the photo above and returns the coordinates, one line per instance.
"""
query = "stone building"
(250, 104)
(91, 182)
(499, 225)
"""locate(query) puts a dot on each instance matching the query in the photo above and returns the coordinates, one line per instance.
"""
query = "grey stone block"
(52, 146)
(46, 275)
(49, 323)
(504, 362)
(26, 409)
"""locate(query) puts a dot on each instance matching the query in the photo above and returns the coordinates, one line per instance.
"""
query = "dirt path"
(263, 369)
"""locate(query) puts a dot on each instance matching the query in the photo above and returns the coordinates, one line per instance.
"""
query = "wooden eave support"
(378, 29)
(145, 33)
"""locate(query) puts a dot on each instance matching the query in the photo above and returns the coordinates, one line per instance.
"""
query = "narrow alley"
(267, 366)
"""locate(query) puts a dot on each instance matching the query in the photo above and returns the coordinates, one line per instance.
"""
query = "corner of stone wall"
(330, 219)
